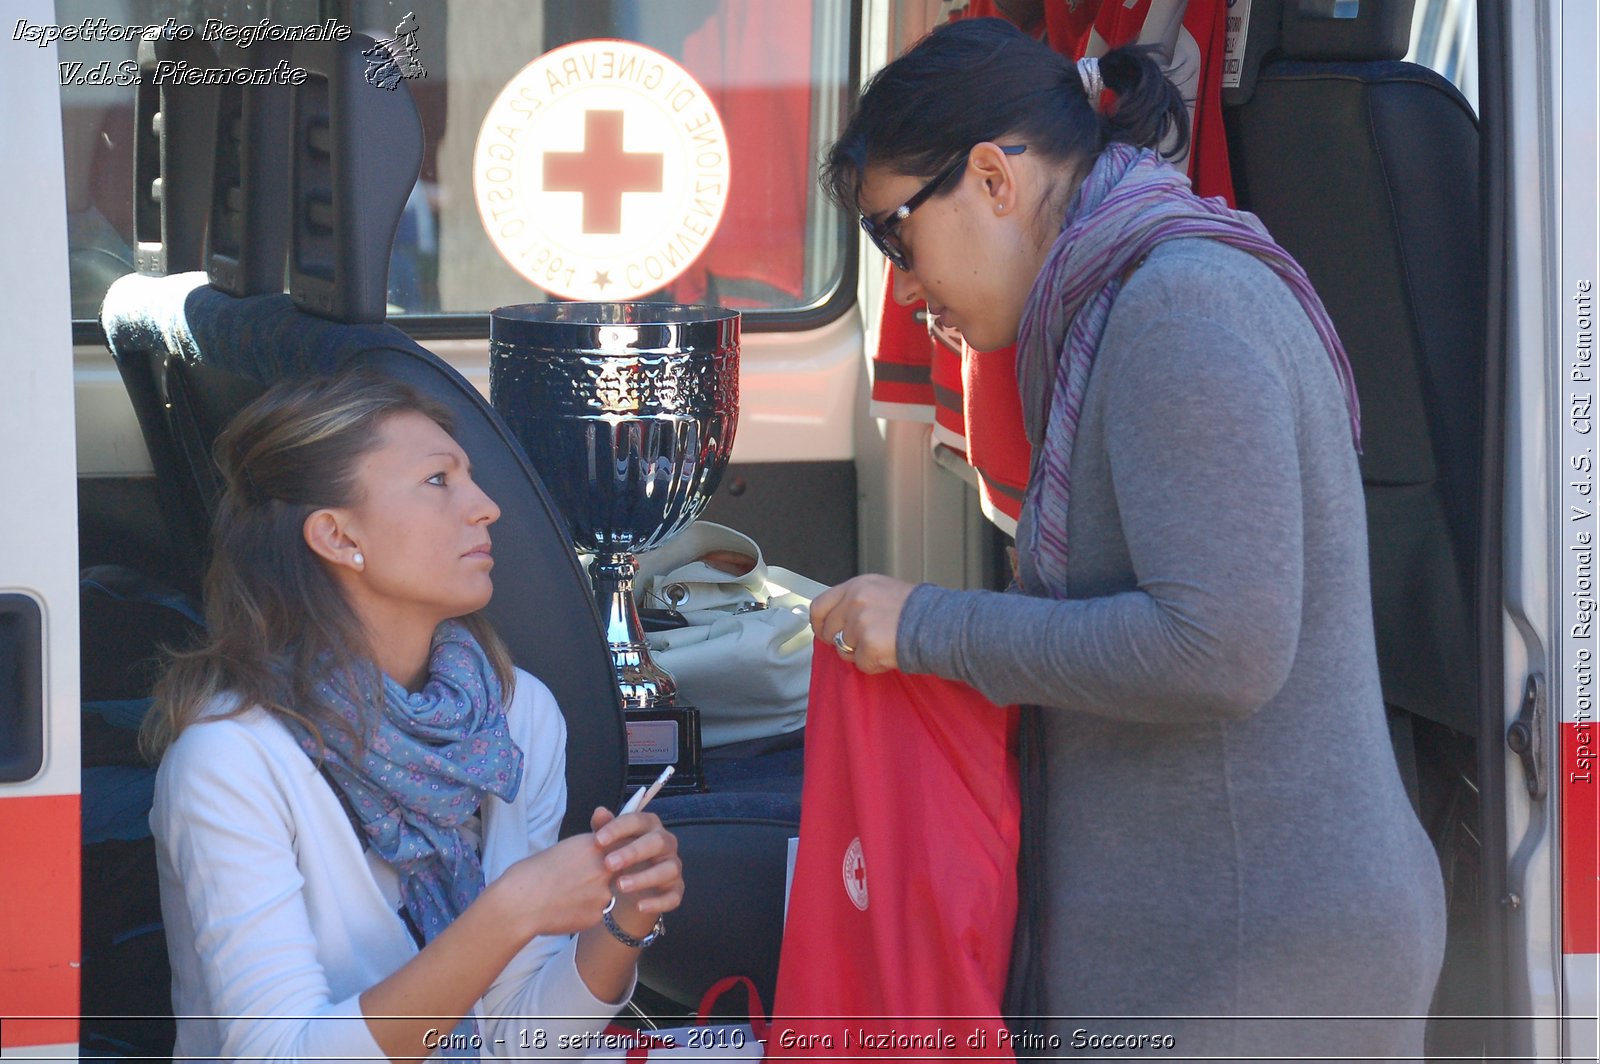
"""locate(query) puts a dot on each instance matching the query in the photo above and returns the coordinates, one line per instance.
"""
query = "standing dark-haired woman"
(357, 810)
(1226, 834)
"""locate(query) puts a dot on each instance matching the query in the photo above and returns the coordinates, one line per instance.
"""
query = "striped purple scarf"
(1130, 202)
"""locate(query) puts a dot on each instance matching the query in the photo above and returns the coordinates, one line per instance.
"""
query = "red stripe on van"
(1580, 839)
(39, 919)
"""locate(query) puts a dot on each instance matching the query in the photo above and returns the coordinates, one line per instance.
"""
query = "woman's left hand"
(866, 610)
(643, 859)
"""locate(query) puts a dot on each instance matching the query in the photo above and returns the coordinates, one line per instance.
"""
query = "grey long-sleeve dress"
(1227, 831)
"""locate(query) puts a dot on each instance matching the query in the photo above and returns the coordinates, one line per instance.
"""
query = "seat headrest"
(1328, 31)
(1337, 31)
(174, 127)
(355, 156)
(248, 239)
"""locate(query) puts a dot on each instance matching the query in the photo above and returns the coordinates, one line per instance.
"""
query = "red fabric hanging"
(763, 95)
(904, 897)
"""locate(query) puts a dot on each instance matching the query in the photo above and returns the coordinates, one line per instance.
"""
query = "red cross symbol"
(602, 171)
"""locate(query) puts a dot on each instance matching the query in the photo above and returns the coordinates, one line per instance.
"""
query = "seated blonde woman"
(357, 809)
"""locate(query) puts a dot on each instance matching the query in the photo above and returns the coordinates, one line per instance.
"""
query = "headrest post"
(173, 135)
(355, 157)
(248, 239)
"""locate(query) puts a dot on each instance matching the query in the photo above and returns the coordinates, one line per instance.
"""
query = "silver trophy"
(627, 411)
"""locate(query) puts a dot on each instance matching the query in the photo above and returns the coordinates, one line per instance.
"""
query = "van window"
(1444, 38)
(748, 229)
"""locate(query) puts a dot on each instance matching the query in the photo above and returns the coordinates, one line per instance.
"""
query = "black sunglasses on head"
(883, 236)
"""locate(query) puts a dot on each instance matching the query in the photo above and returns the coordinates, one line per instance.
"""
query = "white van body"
(1550, 519)
(39, 561)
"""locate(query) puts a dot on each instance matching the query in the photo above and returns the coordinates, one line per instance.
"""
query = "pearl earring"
(359, 559)
(998, 207)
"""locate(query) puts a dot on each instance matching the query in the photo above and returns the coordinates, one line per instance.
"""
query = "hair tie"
(1093, 83)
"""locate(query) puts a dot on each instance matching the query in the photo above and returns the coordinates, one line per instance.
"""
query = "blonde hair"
(277, 625)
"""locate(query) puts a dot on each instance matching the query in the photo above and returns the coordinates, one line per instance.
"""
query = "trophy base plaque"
(660, 736)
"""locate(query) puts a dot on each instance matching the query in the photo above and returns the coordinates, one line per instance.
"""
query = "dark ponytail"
(977, 80)
(1149, 108)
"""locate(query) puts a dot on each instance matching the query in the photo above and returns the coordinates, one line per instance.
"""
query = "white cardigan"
(277, 919)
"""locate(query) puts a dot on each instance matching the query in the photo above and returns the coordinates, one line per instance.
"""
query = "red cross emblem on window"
(602, 171)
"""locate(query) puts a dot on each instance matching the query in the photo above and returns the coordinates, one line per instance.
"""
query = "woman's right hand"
(558, 891)
(863, 613)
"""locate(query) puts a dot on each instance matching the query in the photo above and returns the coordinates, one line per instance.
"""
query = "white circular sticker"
(855, 874)
(601, 171)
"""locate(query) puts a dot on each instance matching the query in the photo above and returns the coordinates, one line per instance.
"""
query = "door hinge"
(1526, 736)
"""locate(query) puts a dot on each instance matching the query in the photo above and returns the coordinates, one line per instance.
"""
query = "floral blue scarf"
(423, 771)
(1130, 201)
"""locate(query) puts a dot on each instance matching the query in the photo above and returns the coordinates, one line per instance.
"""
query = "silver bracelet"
(628, 940)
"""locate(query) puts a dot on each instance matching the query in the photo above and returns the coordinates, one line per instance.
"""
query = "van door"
(1550, 893)
(39, 826)
(1579, 803)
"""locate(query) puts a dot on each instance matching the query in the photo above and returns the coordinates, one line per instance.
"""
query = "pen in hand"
(642, 796)
(640, 799)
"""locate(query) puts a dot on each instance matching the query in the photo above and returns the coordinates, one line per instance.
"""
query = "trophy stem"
(643, 684)
(627, 410)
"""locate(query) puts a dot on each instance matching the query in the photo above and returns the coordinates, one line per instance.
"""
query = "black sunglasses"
(883, 236)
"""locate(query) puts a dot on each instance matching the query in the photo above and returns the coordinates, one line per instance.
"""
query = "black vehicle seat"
(194, 355)
(1366, 170)
(127, 619)
(734, 843)
(194, 349)
(173, 138)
